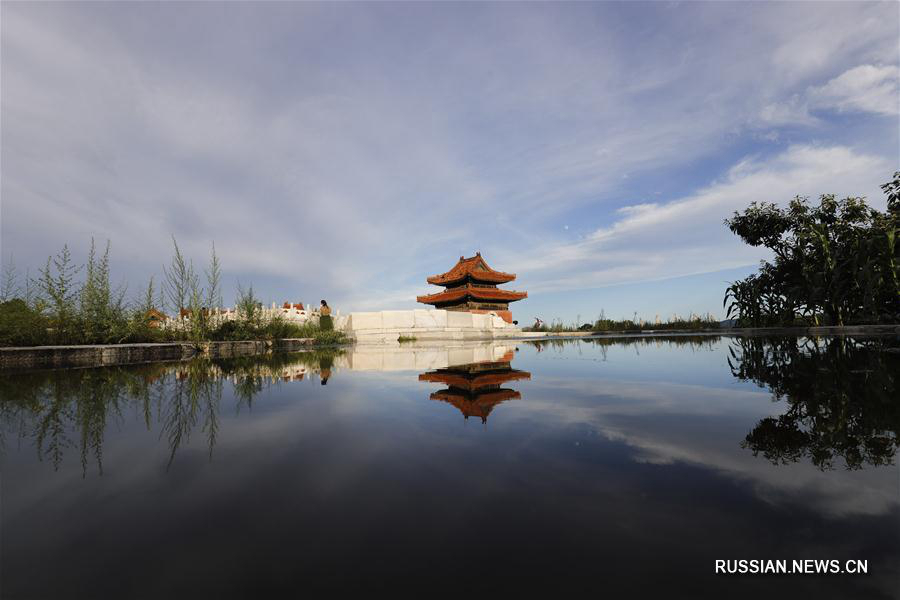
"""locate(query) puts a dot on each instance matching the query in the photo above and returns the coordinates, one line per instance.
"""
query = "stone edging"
(127, 354)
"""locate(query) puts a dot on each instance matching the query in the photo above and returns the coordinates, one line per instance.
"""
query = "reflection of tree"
(841, 396)
(70, 408)
(196, 394)
(51, 432)
(637, 341)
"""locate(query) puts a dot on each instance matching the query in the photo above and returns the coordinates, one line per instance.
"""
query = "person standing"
(325, 322)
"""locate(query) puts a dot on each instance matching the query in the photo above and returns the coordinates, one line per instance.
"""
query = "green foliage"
(148, 302)
(836, 263)
(692, 323)
(248, 306)
(214, 281)
(65, 310)
(9, 284)
(331, 337)
(22, 325)
(179, 279)
(57, 288)
(252, 325)
(604, 324)
(103, 317)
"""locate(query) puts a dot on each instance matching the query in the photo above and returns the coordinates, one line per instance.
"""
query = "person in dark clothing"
(325, 321)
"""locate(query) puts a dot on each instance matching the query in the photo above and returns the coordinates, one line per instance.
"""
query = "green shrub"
(21, 325)
(59, 307)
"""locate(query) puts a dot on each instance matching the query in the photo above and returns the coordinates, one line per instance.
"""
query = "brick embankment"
(127, 354)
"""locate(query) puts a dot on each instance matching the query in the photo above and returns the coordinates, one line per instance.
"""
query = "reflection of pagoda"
(475, 388)
(471, 286)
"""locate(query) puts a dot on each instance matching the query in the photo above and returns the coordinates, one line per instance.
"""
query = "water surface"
(596, 466)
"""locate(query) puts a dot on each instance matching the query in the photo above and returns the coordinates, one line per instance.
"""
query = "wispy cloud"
(686, 236)
(348, 151)
(866, 88)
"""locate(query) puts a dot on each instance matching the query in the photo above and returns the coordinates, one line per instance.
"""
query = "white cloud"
(348, 158)
(794, 111)
(866, 88)
(687, 236)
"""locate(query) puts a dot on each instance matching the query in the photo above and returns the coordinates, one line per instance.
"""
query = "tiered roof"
(475, 268)
(472, 382)
(471, 291)
(474, 388)
(471, 279)
(476, 405)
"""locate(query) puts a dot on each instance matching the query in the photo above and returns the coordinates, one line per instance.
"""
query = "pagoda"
(471, 286)
(475, 389)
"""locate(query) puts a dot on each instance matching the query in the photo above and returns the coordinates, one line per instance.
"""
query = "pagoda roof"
(476, 405)
(474, 267)
(478, 293)
(458, 380)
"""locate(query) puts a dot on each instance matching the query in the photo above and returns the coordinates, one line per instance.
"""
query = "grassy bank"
(602, 324)
(74, 304)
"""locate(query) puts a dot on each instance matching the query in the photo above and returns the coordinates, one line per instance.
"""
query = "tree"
(214, 281)
(837, 260)
(149, 301)
(96, 295)
(178, 278)
(9, 286)
(57, 286)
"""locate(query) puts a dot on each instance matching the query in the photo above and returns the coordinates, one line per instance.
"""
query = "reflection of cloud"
(666, 423)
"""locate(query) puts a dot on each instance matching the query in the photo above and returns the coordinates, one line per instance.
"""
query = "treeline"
(70, 303)
(837, 263)
(604, 324)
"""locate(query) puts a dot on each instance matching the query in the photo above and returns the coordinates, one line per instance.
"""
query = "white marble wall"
(386, 326)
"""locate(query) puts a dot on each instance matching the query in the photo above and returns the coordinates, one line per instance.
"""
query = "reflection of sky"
(625, 473)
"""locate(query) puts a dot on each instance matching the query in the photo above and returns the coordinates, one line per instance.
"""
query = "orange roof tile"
(476, 405)
(477, 293)
(474, 267)
(460, 381)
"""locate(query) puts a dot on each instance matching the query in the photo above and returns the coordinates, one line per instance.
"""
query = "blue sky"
(347, 151)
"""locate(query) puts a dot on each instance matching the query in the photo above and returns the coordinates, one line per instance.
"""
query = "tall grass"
(69, 303)
(604, 324)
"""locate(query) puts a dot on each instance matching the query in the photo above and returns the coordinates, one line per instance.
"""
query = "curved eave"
(480, 406)
(451, 277)
(484, 294)
(485, 400)
(480, 381)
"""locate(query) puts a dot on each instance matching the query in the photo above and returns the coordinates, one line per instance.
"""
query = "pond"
(595, 466)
